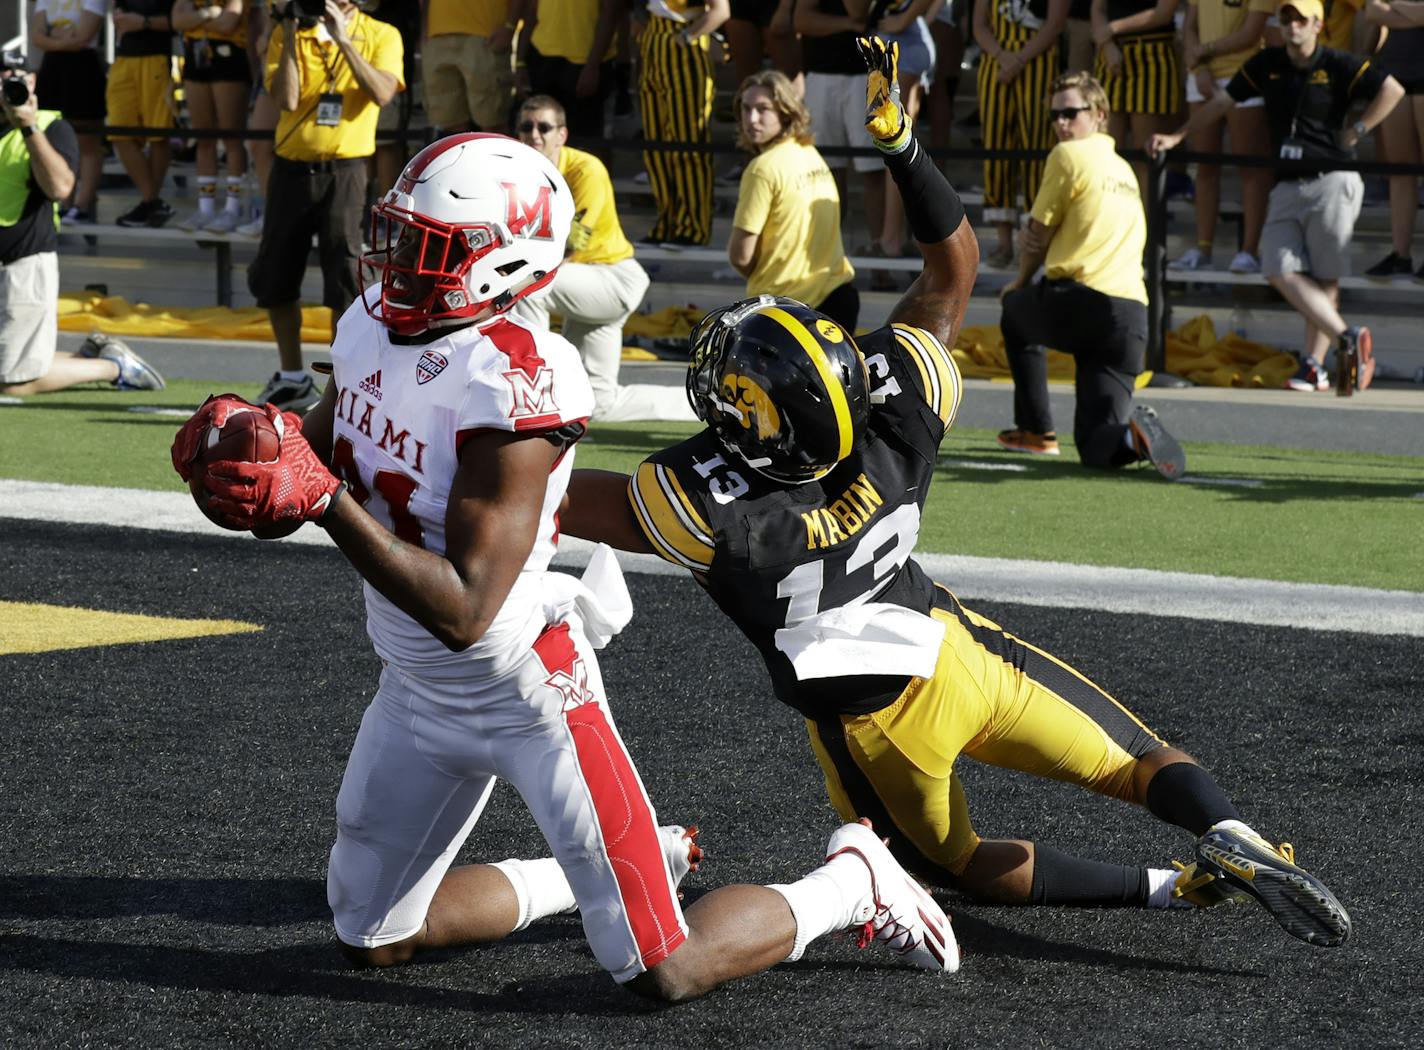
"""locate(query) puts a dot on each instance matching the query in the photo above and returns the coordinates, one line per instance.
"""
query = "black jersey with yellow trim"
(771, 555)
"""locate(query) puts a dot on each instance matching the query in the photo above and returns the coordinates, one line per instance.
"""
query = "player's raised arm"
(937, 300)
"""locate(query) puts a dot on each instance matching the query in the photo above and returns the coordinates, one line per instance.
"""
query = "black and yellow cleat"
(1243, 862)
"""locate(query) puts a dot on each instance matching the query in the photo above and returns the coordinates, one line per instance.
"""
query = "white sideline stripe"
(1323, 607)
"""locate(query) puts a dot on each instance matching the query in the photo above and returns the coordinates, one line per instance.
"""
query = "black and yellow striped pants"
(1151, 76)
(676, 90)
(995, 698)
(1014, 116)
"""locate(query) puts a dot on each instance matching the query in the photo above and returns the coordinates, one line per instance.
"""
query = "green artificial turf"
(1325, 517)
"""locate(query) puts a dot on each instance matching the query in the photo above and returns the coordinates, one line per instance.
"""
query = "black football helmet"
(781, 385)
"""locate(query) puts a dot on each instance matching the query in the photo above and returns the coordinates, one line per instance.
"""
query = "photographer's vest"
(15, 171)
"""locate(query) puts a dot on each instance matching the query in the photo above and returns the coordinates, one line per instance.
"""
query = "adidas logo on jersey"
(372, 384)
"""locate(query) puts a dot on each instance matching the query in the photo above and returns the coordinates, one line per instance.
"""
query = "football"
(248, 436)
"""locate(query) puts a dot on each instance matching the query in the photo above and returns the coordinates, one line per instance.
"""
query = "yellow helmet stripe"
(823, 366)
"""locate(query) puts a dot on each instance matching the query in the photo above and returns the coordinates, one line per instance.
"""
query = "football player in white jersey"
(436, 461)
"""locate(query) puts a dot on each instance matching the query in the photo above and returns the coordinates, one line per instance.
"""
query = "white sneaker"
(223, 222)
(1245, 262)
(250, 229)
(895, 910)
(1191, 259)
(681, 850)
(194, 220)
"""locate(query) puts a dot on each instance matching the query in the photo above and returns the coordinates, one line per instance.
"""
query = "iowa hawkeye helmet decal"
(781, 385)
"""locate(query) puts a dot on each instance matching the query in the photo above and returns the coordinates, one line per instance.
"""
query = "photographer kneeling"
(39, 162)
(330, 68)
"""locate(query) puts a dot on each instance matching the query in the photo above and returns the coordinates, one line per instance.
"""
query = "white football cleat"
(681, 850)
(896, 910)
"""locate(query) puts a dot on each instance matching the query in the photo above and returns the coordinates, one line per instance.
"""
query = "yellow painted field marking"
(31, 628)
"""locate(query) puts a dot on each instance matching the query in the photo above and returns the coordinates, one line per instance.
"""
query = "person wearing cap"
(39, 165)
(600, 284)
(1310, 217)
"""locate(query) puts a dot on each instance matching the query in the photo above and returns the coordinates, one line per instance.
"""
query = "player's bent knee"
(380, 957)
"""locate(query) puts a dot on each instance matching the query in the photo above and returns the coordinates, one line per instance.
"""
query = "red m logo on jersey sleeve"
(521, 213)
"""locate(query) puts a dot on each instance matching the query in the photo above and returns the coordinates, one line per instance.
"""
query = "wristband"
(340, 491)
(26, 130)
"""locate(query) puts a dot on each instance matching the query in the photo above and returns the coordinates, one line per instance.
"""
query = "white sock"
(539, 886)
(294, 377)
(825, 900)
(207, 194)
(1128, 442)
(233, 204)
(1159, 887)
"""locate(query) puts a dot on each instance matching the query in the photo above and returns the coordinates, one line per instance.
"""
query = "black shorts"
(215, 62)
(758, 12)
(72, 82)
(326, 200)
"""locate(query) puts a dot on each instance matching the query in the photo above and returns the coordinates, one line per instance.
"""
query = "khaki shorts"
(140, 93)
(1309, 225)
(29, 317)
(462, 80)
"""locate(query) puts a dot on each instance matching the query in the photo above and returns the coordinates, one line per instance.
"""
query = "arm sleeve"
(933, 369)
(753, 201)
(1056, 189)
(1245, 83)
(61, 136)
(388, 52)
(528, 381)
(1367, 79)
(669, 519)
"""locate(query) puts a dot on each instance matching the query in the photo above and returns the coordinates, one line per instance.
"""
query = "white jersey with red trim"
(402, 412)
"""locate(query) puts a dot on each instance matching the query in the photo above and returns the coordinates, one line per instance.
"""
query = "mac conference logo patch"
(430, 365)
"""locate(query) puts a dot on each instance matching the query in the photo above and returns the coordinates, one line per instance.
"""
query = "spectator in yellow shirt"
(1088, 230)
(329, 81)
(786, 233)
(600, 284)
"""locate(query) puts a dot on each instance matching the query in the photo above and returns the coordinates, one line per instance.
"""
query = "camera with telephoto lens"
(13, 88)
(307, 12)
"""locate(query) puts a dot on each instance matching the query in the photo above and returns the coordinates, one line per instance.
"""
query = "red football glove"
(297, 487)
(211, 413)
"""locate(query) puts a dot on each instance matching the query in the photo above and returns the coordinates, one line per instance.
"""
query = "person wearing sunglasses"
(1088, 230)
(1310, 214)
(600, 284)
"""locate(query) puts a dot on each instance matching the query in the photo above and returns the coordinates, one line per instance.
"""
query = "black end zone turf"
(166, 811)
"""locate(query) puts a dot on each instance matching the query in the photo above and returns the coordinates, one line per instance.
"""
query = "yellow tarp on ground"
(1193, 351)
(114, 315)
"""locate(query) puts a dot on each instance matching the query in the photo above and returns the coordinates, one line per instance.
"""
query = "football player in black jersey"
(797, 509)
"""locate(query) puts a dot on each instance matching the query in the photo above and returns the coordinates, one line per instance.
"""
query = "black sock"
(1061, 879)
(1184, 794)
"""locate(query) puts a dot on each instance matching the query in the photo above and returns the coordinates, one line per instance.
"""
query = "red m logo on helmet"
(520, 213)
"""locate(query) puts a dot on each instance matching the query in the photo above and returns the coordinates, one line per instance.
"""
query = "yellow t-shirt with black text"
(565, 30)
(593, 196)
(788, 198)
(322, 68)
(1091, 195)
(465, 17)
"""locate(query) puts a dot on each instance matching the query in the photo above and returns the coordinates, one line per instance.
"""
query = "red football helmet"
(475, 223)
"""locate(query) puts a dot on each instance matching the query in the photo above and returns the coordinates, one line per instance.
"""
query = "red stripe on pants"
(624, 814)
